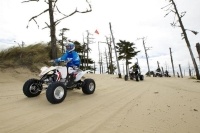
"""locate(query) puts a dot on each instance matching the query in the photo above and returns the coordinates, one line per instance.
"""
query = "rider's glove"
(74, 67)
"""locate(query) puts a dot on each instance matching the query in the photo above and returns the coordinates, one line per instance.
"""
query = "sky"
(130, 20)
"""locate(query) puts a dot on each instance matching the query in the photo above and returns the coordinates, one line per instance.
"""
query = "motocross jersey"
(73, 56)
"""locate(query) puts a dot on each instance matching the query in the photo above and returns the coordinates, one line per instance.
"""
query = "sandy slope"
(155, 105)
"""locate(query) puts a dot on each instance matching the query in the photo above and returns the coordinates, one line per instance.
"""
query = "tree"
(52, 7)
(126, 52)
(171, 8)
(110, 66)
(63, 38)
(80, 50)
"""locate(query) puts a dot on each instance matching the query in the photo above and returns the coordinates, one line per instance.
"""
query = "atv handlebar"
(65, 62)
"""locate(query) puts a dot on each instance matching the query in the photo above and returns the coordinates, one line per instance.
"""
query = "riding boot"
(70, 81)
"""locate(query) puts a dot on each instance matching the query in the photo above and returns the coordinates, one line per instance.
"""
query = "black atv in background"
(136, 75)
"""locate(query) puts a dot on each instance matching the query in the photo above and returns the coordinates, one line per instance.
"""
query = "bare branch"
(55, 4)
(169, 8)
(46, 1)
(60, 11)
(194, 32)
(173, 11)
(48, 26)
(76, 11)
(166, 6)
(29, 1)
(167, 13)
(182, 14)
(33, 18)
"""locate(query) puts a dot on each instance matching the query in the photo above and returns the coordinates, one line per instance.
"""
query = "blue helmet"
(69, 46)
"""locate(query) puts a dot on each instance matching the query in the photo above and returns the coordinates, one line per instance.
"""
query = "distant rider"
(135, 67)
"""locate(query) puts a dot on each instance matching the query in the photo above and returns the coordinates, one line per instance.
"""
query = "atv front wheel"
(88, 86)
(32, 88)
(56, 92)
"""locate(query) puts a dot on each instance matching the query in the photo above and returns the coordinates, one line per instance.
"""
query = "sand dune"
(155, 105)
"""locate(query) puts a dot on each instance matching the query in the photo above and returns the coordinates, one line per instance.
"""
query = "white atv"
(58, 79)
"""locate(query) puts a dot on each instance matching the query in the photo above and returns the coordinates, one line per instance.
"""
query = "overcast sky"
(130, 19)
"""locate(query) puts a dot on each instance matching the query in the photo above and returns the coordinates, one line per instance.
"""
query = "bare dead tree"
(89, 41)
(106, 56)
(172, 61)
(171, 8)
(52, 7)
(108, 42)
(198, 50)
(145, 50)
(113, 41)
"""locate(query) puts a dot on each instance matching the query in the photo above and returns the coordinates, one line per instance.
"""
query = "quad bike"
(56, 80)
(158, 74)
(136, 75)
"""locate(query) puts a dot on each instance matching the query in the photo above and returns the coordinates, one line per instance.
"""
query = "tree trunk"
(172, 61)
(107, 61)
(180, 71)
(52, 31)
(187, 41)
(198, 50)
(119, 72)
(127, 68)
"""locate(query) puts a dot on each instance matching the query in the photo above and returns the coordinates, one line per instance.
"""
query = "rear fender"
(80, 75)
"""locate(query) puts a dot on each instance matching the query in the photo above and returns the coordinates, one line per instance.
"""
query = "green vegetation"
(35, 56)
(31, 57)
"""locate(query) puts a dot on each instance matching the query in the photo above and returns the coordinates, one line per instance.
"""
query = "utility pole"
(172, 62)
(145, 50)
(119, 73)
(180, 71)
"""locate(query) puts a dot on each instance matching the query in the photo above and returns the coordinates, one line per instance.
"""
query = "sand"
(155, 105)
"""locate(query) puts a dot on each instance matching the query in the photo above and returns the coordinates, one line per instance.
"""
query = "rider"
(135, 67)
(70, 55)
(72, 58)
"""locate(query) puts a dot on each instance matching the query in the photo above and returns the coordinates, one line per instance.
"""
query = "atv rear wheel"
(88, 86)
(32, 88)
(56, 92)
(141, 77)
